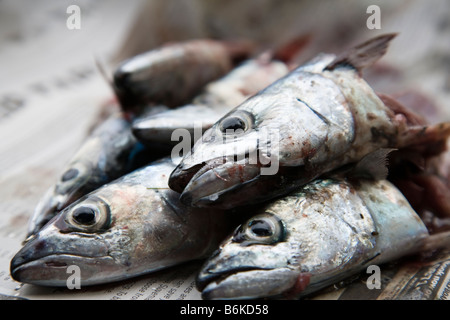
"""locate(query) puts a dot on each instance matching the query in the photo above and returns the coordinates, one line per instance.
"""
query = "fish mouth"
(239, 274)
(215, 179)
(153, 130)
(206, 277)
(246, 283)
(224, 183)
(53, 270)
(223, 167)
(211, 182)
(161, 127)
(44, 259)
(181, 175)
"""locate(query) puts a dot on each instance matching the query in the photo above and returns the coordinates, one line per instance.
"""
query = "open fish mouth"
(180, 176)
(203, 184)
(207, 277)
(246, 283)
(237, 274)
(221, 182)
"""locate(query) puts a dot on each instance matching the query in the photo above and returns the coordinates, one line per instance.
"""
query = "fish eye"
(84, 215)
(70, 174)
(73, 177)
(262, 229)
(232, 123)
(239, 121)
(91, 215)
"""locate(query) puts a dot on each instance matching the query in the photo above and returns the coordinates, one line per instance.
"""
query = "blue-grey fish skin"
(121, 143)
(322, 115)
(321, 234)
(109, 152)
(147, 79)
(174, 73)
(215, 100)
(131, 226)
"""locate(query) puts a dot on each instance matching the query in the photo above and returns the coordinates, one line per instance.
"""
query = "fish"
(129, 227)
(113, 149)
(217, 99)
(172, 74)
(322, 233)
(320, 116)
(109, 151)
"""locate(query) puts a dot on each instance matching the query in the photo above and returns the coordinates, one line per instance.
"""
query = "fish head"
(296, 245)
(118, 231)
(103, 156)
(72, 182)
(74, 237)
(255, 259)
(165, 126)
(69, 187)
(217, 99)
(285, 126)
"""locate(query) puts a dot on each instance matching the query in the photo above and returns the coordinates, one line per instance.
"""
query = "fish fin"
(239, 49)
(372, 166)
(419, 103)
(427, 140)
(416, 132)
(102, 70)
(118, 95)
(398, 108)
(363, 55)
(289, 51)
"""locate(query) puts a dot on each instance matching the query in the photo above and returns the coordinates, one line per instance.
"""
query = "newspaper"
(410, 280)
(50, 94)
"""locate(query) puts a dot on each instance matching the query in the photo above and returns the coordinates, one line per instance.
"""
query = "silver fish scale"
(330, 107)
(398, 225)
(334, 212)
(333, 229)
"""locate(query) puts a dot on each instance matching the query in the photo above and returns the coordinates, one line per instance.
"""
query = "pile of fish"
(286, 180)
